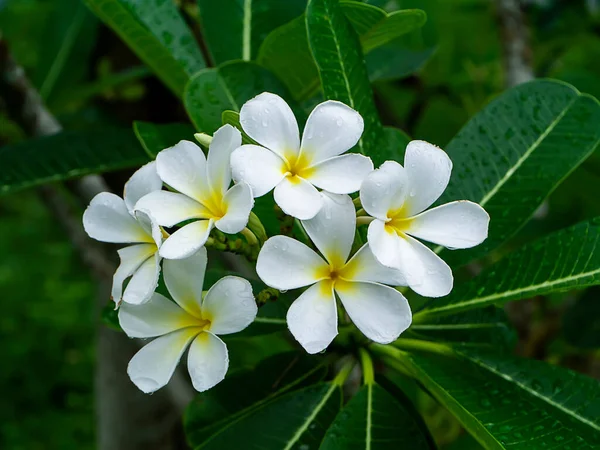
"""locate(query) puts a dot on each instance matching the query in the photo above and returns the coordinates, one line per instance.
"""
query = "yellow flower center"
(398, 222)
(296, 167)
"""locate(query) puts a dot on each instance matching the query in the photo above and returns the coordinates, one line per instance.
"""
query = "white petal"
(207, 361)
(239, 202)
(312, 318)
(381, 313)
(225, 140)
(142, 182)
(149, 224)
(426, 273)
(298, 198)
(132, 257)
(260, 168)
(152, 367)
(143, 282)
(384, 190)
(384, 243)
(331, 129)
(183, 167)
(365, 267)
(459, 224)
(332, 229)
(428, 169)
(268, 120)
(171, 208)
(284, 263)
(185, 279)
(157, 317)
(229, 305)
(341, 174)
(107, 219)
(187, 240)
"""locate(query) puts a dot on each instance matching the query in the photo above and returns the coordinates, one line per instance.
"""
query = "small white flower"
(204, 194)
(228, 307)
(397, 198)
(109, 218)
(292, 167)
(379, 311)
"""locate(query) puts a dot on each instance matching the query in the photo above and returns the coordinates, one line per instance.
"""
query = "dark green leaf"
(67, 155)
(244, 391)
(392, 146)
(485, 326)
(157, 137)
(395, 61)
(568, 259)
(212, 91)
(234, 29)
(286, 51)
(336, 50)
(514, 153)
(157, 33)
(511, 403)
(373, 418)
(297, 420)
(581, 322)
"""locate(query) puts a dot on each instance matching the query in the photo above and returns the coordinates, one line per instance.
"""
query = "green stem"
(250, 236)
(367, 366)
(424, 346)
(340, 378)
(357, 202)
(361, 212)
(363, 220)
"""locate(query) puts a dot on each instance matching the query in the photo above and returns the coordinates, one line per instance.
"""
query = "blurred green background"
(89, 78)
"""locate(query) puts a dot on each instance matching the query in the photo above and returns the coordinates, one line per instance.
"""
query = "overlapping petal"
(142, 182)
(341, 174)
(143, 281)
(150, 225)
(428, 169)
(229, 305)
(171, 208)
(185, 279)
(225, 140)
(183, 167)
(208, 361)
(381, 313)
(132, 257)
(363, 266)
(312, 318)
(152, 367)
(298, 198)
(269, 120)
(332, 128)
(384, 190)
(187, 240)
(239, 202)
(284, 263)
(157, 317)
(384, 243)
(260, 168)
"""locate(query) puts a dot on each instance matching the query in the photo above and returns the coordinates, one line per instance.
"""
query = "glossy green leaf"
(336, 50)
(515, 152)
(374, 419)
(511, 403)
(392, 146)
(157, 137)
(245, 391)
(568, 259)
(157, 33)
(234, 29)
(68, 41)
(296, 420)
(68, 155)
(286, 51)
(395, 61)
(212, 91)
(484, 326)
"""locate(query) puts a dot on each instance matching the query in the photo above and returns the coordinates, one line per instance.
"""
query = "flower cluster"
(171, 206)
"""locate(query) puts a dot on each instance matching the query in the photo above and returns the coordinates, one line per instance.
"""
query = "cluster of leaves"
(508, 158)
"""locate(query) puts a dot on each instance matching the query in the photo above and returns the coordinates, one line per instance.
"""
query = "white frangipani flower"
(379, 311)
(397, 198)
(204, 194)
(227, 307)
(296, 168)
(109, 218)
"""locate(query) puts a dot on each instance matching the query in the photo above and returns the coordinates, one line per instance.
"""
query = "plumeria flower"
(204, 195)
(379, 311)
(193, 321)
(110, 218)
(297, 168)
(397, 197)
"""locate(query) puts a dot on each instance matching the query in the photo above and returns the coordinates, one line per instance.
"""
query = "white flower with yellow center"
(297, 168)
(204, 195)
(397, 197)
(110, 218)
(380, 312)
(193, 321)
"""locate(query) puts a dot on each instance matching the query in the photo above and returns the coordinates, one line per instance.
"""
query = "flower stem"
(256, 226)
(367, 366)
(363, 220)
(340, 378)
(357, 202)
(250, 236)
(361, 212)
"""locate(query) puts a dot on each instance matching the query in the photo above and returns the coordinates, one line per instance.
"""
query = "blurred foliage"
(89, 77)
